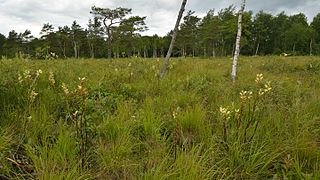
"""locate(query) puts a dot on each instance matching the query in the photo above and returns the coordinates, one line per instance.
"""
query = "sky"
(161, 14)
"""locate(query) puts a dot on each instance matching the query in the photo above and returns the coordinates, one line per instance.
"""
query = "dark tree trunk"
(162, 52)
(109, 50)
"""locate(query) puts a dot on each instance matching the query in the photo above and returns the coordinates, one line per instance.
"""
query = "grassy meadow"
(114, 119)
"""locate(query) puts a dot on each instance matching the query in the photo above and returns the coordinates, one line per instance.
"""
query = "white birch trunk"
(213, 50)
(174, 36)
(144, 52)
(257, 49)
(75, 49)
(237, 49)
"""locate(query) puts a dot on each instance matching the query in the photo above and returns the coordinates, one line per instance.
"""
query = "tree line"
(115, 33)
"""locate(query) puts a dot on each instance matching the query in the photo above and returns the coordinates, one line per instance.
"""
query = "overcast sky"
(161, 14)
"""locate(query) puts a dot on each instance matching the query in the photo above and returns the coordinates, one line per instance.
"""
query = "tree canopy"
(116, 33)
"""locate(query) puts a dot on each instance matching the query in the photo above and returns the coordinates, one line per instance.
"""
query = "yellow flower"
(75, 113)
(20, 79)
(39, 71)
(27, 74)
(261, 92)
(225, 113)
(259, 78)
(82, 79)
(51, 78)
(65, 89)
(268, 86)
(246, 95)
(33, 95)
(174, 114)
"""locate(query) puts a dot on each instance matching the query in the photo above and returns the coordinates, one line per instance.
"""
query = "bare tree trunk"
(75, 49)
(223, 51)
(64, 50)
(162, 52)
(144, 52)
(139, 53)
(174, 36)
(213, 50)
(117, 53)
(109, 41)
(237, 50)
(233, 50)
(134, 51)
(155, 55)
(294, 49)
(205, 52)
(183, 52)
(257, 49)
(92, 51)
(78, 51)
(311, 47)
(193, 52)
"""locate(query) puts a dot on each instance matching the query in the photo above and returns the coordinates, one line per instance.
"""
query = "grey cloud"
(161, 14)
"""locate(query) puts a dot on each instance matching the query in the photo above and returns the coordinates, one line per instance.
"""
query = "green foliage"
(122, 122)
(114, 33)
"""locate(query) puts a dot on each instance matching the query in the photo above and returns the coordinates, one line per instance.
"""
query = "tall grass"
(100, 119)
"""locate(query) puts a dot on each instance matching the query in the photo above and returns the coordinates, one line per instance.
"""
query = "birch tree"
(174, 36)
(237, 48)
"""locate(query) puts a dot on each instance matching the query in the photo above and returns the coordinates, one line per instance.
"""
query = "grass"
(122, 122)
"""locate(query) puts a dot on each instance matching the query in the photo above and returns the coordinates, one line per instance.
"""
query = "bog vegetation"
(84, 119)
